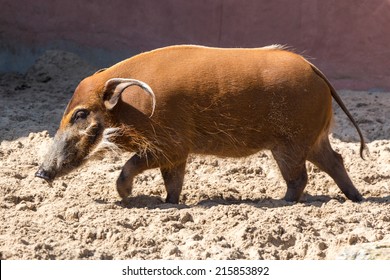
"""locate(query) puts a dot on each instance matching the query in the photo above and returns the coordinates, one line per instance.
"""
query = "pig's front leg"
(134, 166)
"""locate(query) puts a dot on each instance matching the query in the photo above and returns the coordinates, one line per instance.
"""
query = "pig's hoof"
(173, 199)
(292, 196)
(123, 187)
(355, 196)
(123, 193)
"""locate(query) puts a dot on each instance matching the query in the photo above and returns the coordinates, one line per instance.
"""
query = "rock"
(72, 214)
(353, 239)
(21, 206)
(322, 246)
(186, 218)
(170, 251)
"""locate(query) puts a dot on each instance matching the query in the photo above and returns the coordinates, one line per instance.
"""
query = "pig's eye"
(80, 115)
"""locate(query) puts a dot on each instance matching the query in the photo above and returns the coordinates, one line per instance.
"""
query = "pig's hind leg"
(291, 162)
(325, 158)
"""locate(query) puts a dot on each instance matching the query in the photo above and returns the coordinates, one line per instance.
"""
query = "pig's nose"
(43, 174)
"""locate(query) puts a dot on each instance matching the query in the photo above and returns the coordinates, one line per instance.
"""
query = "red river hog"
(168, 103)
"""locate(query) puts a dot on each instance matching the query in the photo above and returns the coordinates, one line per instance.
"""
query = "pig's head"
(85, 125)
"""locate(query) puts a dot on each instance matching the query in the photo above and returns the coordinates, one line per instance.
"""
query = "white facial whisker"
(105, 143)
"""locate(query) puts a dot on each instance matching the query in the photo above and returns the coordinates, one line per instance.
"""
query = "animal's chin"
(66, 170)
(68, 167)
(50, 175)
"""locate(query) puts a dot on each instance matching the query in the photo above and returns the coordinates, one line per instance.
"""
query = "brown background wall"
(349, 40)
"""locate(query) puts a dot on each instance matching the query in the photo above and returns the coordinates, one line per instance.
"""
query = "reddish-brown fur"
(225, 102)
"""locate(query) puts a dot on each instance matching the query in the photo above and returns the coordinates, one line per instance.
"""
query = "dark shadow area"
(379, 200)
(31, 113)
(149, 202)
(156, 202)
(307, 200)
(35, 101)
(259, 203)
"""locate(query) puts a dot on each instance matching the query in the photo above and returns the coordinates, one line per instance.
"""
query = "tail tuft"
(364, 151)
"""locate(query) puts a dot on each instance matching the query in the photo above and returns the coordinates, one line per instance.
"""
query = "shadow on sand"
(156, 202)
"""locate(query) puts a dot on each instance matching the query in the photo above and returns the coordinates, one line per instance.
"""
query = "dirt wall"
(349, 40)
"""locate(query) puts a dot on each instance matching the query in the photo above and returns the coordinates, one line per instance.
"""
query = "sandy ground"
(230, 208)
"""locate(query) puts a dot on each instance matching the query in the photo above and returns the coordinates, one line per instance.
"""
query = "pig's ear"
(114, 88)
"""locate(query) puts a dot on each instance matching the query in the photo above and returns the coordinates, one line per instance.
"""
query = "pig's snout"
(44, 174)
